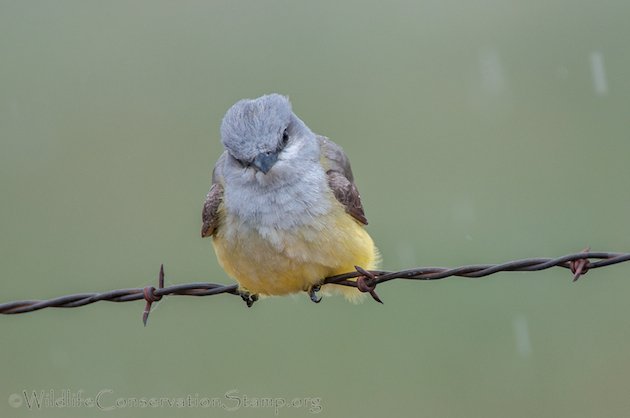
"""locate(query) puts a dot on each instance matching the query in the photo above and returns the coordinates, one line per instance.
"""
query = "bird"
(283, 209)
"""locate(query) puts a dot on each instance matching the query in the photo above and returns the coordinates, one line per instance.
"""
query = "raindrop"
(521, 332)
(599, 73)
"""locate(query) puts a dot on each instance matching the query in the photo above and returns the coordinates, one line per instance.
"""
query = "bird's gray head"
(260, 134)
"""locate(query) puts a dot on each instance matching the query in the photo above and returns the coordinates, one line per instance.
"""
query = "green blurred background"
(479, 132)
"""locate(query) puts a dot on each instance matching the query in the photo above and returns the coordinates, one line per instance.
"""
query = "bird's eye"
(285, 137)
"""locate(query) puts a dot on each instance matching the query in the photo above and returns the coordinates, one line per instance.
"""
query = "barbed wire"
(365, 281)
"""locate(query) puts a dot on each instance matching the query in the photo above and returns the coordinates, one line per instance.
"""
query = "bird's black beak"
(265, 160)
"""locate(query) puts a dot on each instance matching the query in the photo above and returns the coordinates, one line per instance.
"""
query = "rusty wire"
(365, 281)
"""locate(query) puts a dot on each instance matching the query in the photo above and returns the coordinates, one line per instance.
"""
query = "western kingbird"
(283, 210)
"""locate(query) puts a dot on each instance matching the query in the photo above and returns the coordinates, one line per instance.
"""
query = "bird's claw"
(247, 297)
(312, 293)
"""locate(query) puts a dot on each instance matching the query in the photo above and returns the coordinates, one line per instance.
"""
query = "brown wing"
(340, 178)
(210, 212)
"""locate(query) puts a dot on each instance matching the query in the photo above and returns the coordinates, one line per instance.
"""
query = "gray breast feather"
(338, 175)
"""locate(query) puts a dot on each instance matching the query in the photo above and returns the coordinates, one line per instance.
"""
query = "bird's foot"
(247, 297)
(312, 293)
(367, 283)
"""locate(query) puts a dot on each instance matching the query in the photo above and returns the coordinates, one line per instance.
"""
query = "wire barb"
(580, 266)
(150, 296)
(365, 281)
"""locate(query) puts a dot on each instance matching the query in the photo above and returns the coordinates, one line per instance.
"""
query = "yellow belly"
(293, 260)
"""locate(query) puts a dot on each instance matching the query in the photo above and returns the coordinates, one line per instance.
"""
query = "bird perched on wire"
(283, 210)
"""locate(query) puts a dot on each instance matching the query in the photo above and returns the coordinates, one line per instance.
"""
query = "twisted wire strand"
(578, 263)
